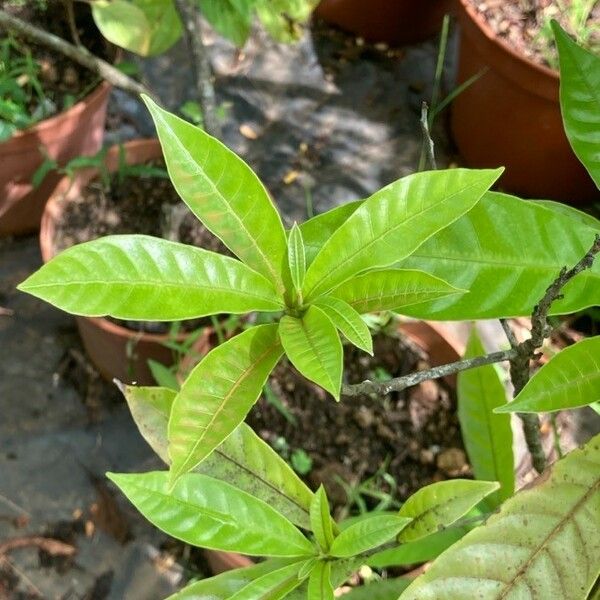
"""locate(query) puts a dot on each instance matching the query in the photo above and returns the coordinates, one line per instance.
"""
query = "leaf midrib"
(243, 376)
(153, 282)
(544, 543)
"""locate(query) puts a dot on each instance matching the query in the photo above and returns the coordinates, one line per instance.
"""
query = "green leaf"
(384, 589)
(340, 571)
(441, 504)
(367, 533)
(488, 437)
(393, 223)
(543, 543)
(348, 321)
(506, 275)
(218, 393)
(223, 586)
(319, 229)
(231, 18)
(578, 215)
(419, 551)
(319, 584)
(243, 459)
(320, 519)
(271, 586)
(146, 27)
(224, 193)
(313, 346)
(296, 257)
(284, 19)
(163, 375)
(580, 100)
(209, 513)
(570, 379)
(392, 289)
(144, 278)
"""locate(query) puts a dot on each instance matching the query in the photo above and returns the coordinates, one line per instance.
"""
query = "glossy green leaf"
(506, 275)
(441, 504)
(224, 193)
(218, 393)
(144, 278)
(296, 257)
(392, 289)
(570, 379)
(580, 100)
(570, 211)
(209, 513)
(223, 586)
(243, 458)
(320, 519)
(419, 551)
(488, 437)
(543, 543)
(319, 229)
(319, 584)
(393, 223)
(271, 586)
(367, 533)
(348, 321)
(146, 27)
(384, 589)
(231, 18)
(313, 346)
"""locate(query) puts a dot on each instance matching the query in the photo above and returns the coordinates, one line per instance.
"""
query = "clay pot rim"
(53, 212)
(494, 39)
(71, 113)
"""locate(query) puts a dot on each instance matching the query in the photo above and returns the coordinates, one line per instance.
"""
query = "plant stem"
(427, 149)
(401, 383)
(189, 14)
(78, 54)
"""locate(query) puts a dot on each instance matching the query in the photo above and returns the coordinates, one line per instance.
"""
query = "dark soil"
(64, 82)
(413, 434)
(143, 205)
(527, 30)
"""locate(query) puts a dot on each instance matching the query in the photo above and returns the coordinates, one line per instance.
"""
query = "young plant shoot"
(436, 245)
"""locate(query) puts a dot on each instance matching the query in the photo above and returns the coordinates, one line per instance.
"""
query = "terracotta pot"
(511, 116)
(442, 346)
(117, 352)
(78, 131)
(396, 22)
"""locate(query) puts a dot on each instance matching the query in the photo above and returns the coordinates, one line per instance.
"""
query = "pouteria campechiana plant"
(435, 245)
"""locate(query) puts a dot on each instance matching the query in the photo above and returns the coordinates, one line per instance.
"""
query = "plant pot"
(78, 131)
(395, 22)
(117, 352)
(442, 346)
(511, 116)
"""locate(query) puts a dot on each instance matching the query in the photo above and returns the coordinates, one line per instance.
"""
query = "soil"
(413, 435)
(64, 82)
(527, 30)
(143, 205)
